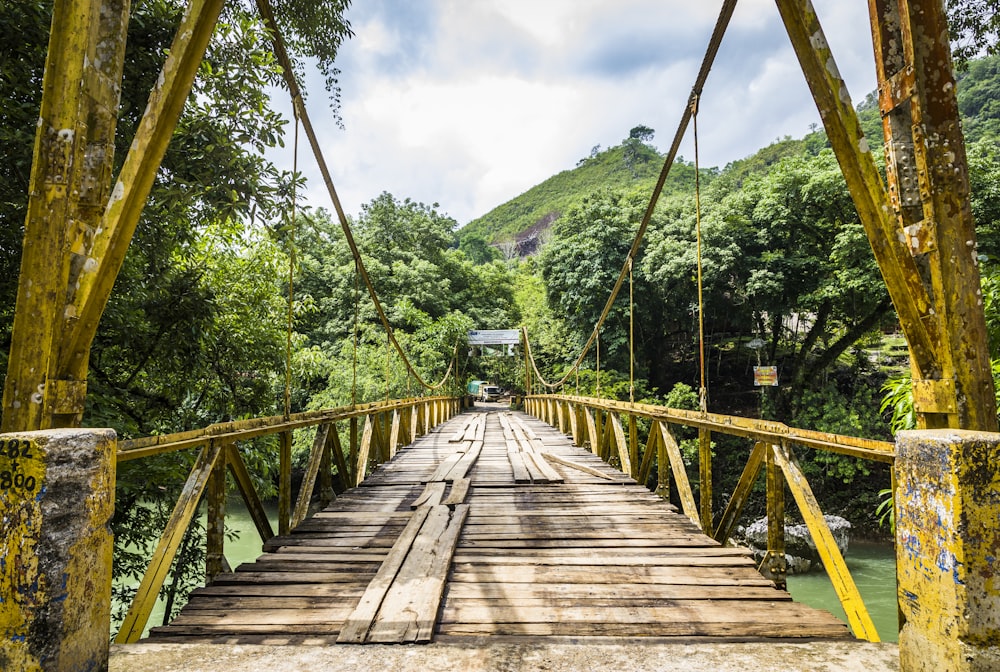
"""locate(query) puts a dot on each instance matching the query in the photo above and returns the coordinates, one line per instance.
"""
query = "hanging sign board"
(765, 376)
(495, 337)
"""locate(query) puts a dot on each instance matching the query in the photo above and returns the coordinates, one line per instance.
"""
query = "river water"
(873, 567)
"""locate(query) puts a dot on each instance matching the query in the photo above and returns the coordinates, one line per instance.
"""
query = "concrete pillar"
(948, 550)
(56, 503)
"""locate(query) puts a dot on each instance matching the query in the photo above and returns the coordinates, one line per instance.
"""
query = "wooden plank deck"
(472, 531)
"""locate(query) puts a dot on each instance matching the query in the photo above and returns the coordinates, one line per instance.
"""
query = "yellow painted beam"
(633, 445)
(843, 583)
(927, 174)
(361, 469)
(394, 434)
(156, 128)
(166, 549)
(705, 479)
(652, 444)
(284, 482)
(244, 483)
(621, 443)
(215, 525)
(775, 564)
(681, 481)
(309, 479)
(751, 428)
(840, 120)
(71, 165)
(592, 435)
(337, 449)
(738, 500)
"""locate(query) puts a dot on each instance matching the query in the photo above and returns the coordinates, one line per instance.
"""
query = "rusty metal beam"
(928, 180)
(863, 180)
(70, 176)
(121, 215)
(74, 216)
(920, 228)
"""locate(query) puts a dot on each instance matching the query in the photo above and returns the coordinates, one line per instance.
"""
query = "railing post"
(574, 422)
(633, 446)
(947, 536)
(56, 502)
(705, 479)
(326, 493)
(284, 482)
(774, 565)
(662, 462)
(352, 454)
(414, 426)
(215, 527)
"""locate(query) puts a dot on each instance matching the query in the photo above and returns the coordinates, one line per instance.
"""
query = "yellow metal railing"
(601, 423)
(384, 426)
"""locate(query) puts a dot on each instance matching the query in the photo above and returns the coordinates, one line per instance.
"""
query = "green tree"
(975, 28)
(581, 264)
(431, 292)
(193, 331)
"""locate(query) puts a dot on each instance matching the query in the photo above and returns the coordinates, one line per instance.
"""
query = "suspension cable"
(597, 350)
(703, 391)
(722, 23)
(631, 335)
(281, 54)
(291, 275)
(354, 341)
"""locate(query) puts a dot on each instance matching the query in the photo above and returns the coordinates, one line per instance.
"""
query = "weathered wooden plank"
(549, 474)
(409, 611)
(431, 495)
(309, 480)
(270, 617)
(465, 464)
(524, 593)
(696, 613)
(597, 562)
(356, 627)
(441, 473)
(708, 576)
(518, 467)
(576, 465)
(741, 631)
(459, 491)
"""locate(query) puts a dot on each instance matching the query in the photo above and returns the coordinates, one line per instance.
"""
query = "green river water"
(873, 567)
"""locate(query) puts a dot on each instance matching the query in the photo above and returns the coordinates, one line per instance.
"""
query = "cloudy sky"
(468, 103)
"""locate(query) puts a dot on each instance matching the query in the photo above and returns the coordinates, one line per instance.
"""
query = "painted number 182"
(14, 450)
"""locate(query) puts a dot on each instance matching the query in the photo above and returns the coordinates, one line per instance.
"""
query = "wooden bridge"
(490, 524)
(495, 524)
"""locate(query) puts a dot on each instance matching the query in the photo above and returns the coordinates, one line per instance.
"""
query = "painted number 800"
(17, 480)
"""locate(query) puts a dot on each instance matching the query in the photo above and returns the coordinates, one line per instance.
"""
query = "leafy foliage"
(975, 28)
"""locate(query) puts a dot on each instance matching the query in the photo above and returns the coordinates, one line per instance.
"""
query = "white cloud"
(468, 104)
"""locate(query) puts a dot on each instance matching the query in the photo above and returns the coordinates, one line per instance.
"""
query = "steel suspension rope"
(631, 335)
(281, 54)
(721, 24)
(291, 276)
(703, 391)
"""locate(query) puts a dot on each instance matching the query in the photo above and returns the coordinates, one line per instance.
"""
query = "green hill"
(520, 221)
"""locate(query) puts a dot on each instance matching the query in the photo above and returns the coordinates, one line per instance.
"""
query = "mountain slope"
(523, 219)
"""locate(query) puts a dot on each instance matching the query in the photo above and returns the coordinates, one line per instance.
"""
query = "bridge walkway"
(494, 524)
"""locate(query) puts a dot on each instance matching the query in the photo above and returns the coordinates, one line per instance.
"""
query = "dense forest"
(195, 332)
